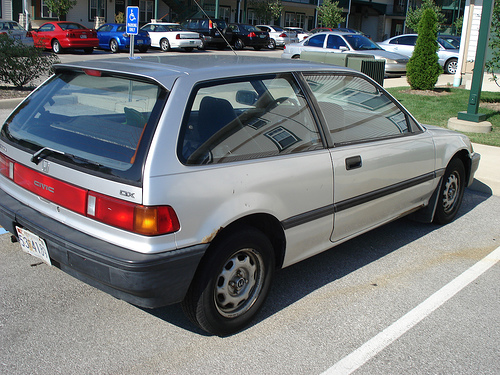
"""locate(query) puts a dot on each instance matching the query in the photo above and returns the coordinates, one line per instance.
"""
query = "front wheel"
(164, 45)
(451, 66)
(113, 46)
(271, 44)
(232, 282)
(239, 44)
(451, 192)
(56, 46)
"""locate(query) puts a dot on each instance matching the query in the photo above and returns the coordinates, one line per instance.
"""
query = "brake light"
(147, 220)
(6, 166)
(283, 35)
(252, 35)
(29, 35)
(178, 36)
(136, 218)
(210, 24)
(92, 72)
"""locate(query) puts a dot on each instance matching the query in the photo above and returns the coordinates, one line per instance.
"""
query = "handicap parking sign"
(132, 20)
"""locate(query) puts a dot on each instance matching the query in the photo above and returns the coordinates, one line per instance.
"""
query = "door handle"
(353, 162)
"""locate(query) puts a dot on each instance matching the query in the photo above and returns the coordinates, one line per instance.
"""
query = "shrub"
(21, 64)
(423, 69)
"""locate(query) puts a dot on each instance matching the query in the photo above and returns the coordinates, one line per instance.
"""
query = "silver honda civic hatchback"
(193, 179)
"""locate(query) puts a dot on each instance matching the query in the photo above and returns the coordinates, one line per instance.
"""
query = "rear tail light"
(29, 35)
(136, 218)
(283, 35)
(252, 35)
(147, 220)
(210, 24)
(178, 36)
(6, 166)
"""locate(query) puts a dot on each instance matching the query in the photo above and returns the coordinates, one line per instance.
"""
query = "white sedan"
(171, 35)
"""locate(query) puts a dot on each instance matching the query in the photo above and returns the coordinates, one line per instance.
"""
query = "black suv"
(210, 31)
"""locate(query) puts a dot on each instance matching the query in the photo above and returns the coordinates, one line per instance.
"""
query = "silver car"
(343, 42)
(16, 31)
(405, 44)
(194, 179)
(278, 37)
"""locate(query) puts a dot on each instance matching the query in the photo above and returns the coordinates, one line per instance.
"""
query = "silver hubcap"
(239, 283)
(452, 67)
(451, 192)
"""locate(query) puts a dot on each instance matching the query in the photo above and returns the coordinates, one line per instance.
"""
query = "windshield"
(360, 42)
(93, 120)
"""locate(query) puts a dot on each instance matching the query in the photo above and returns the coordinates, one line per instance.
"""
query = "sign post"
(132, 27)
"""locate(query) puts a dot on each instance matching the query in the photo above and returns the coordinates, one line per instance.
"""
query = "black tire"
(296, 57)
(164, 45)
(56, 46)
(203, 44)
(451, 66)
(239, 44)
(113, 46)
(451, 192)
(271, 44)
(231, 283)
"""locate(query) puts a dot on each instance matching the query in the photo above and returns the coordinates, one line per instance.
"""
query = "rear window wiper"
(45, 151)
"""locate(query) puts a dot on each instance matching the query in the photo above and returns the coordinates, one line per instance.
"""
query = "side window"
(316, 41)
(408, 40)
(355, 110)
(335, 42)
(247, 119)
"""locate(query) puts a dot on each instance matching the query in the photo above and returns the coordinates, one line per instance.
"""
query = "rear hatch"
(76, 148)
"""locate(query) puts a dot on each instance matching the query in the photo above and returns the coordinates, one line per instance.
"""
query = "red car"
(61, 35)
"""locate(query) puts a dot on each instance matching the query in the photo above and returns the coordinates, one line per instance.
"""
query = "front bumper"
(147, 280)
(473, 167)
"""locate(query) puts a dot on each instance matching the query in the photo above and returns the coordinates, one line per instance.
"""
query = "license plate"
(262, 36)
(83, 36)
(140, 41)
(32, 244)
(191, 42)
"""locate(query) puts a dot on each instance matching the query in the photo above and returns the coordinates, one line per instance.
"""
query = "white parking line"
(371, 348)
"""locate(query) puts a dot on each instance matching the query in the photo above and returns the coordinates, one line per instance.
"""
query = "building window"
(252, 17)
(97, 8)
(225, 13)
(300, 19)
(46, 13)
(145, 11)
(289, 19)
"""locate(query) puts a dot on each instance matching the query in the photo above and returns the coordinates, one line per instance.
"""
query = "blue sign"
(132, 20)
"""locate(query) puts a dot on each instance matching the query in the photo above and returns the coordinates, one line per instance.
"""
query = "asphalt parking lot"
(406, 298)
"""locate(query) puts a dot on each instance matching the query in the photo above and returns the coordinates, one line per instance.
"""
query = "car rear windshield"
(93, 120)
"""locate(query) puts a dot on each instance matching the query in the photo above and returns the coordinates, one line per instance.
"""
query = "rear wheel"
(271, 44)
(232, 282)
(165, 45)
(451, 66)
(451, 192)
(113, 46)
(56, 46)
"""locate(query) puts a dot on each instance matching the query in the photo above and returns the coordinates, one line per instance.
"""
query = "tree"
(493, 64)
(266, 10)
(330, 14)
(60, 7)
(423, 69)
(414, 16)
(20, 64)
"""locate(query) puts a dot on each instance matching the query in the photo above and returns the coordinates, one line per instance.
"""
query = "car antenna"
(217, 27)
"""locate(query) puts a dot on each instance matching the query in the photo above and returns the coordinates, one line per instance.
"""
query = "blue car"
(113, 36)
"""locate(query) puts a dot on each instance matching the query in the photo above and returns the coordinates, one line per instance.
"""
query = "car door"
(336, 43)
(404, 44)
(383, 161)
(104, 35)
(314, 43)
(42, 38)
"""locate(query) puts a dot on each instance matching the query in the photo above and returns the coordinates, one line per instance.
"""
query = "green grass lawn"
(442, 104)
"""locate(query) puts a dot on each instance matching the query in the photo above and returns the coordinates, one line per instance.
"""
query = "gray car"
(16, 31)
(344, 42)
(405, 44)
(193, 179)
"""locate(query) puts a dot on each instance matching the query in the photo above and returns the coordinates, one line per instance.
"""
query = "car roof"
(166, 69)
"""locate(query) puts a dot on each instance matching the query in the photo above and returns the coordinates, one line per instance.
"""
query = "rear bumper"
(147, 280)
